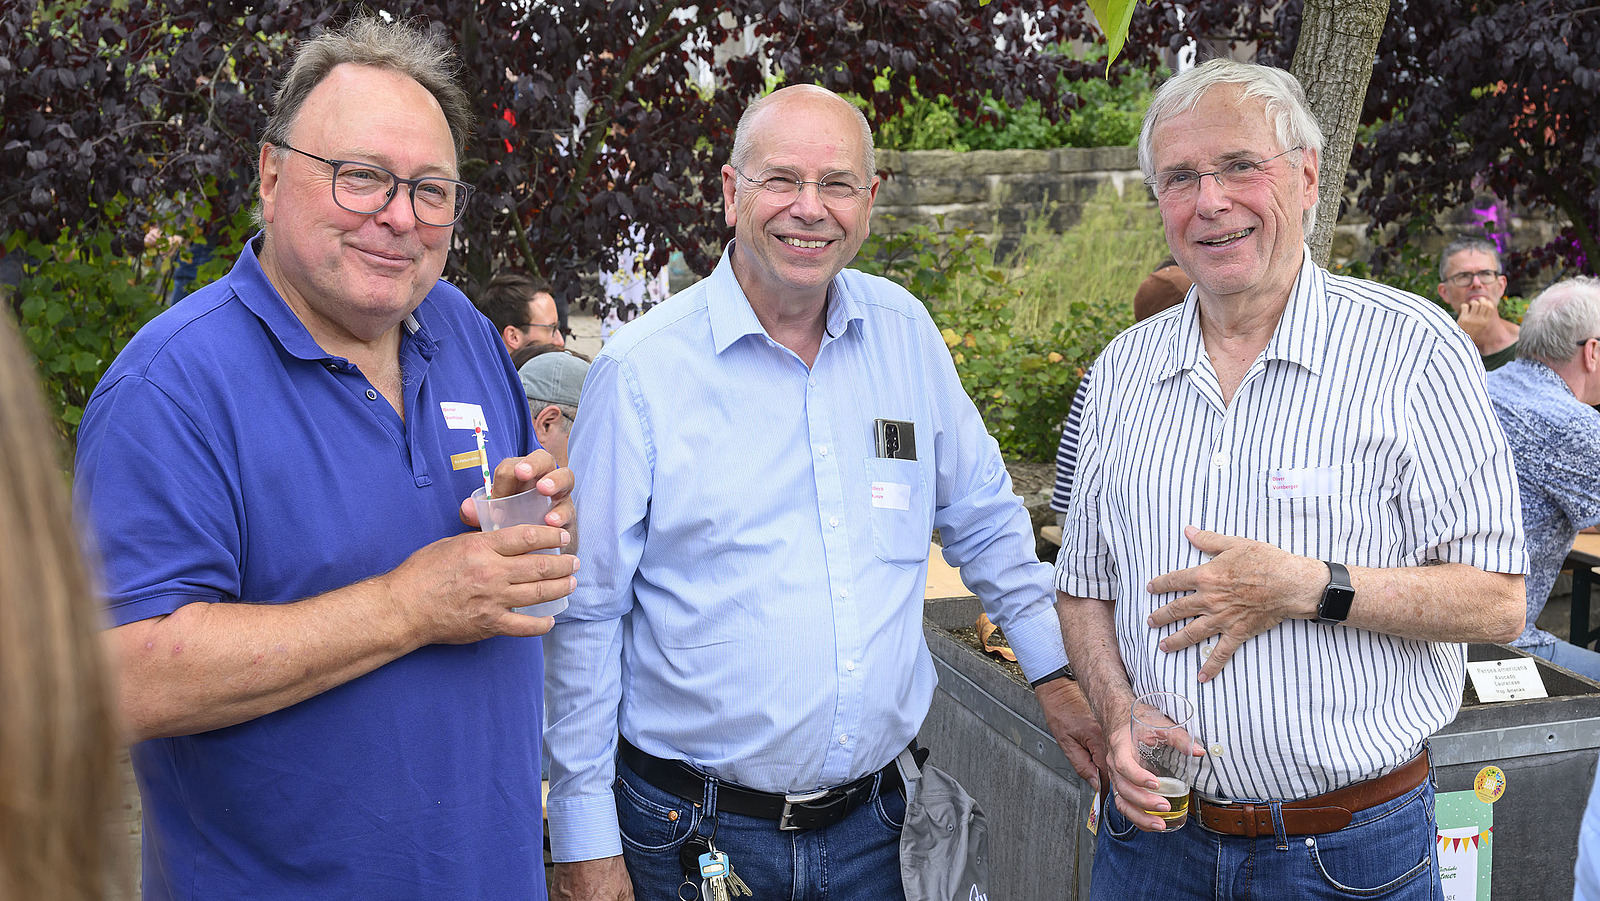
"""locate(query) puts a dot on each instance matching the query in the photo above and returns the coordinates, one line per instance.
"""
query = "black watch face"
(1336, 601)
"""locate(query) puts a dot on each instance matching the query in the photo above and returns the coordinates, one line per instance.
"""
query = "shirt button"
(823, 450)
(1216, 750)
(1219, 459)
(812, 383)
(844, 592)
(371, 394)
(333, 367)
(844, 739)
(833, 521)
(1205, 652)
(849, 666)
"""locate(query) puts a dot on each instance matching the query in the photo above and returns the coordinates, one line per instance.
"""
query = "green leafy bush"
(1109, 117)
(1023, 332)
(80, 302)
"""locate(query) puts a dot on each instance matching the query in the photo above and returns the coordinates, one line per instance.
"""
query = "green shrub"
(79, 304)
(1109, 117)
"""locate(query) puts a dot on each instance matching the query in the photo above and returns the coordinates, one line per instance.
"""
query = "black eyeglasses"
(554, 328)
(1463, 279)
(365, 188)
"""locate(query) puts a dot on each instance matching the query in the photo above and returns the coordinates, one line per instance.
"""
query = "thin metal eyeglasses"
(1238, 173)
(785, 187)
(367, 188)
(1463, 279)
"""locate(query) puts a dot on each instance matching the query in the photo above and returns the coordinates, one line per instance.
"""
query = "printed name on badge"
(471, 459)
(891, 495)
(1315, 481)
(462, 416)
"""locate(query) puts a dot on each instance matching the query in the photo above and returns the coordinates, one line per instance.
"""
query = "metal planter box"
(986, 729)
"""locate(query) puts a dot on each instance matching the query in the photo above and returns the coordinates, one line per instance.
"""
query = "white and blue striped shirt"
(753, 572)
(1362, 434)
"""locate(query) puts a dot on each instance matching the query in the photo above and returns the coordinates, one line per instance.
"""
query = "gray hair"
(424, 56)
(1462, 245)
(1562, 315)
(742, 150)
(1284, 100)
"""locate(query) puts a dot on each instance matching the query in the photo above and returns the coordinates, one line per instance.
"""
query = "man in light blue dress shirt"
(763, 458)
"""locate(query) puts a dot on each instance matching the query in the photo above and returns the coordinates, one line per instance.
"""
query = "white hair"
(1562, 315)
(1284, 104)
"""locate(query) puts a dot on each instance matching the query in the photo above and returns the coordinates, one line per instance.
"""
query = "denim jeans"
(1582, 661)
(855, 859)
(1387, 852)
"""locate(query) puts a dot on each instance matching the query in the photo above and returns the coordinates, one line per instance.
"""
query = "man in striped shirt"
(1280, 418)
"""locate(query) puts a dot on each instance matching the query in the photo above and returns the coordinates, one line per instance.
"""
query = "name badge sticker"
(891, 495)
(462, 416)
(1315, 481)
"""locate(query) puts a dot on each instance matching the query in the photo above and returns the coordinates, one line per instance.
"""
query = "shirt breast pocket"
(1327, 512)
(902, 520)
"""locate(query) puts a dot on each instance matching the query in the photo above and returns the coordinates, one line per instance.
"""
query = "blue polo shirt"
(225, 457)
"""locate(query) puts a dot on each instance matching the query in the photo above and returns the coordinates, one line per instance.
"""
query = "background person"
(319, 662)
(554, 383)
(1544, 401)
(1294, 505)
(1472, 281)
(758, 541)
(522, 309)
(59, 783)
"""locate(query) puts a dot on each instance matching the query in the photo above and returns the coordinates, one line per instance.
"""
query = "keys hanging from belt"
(718, 882)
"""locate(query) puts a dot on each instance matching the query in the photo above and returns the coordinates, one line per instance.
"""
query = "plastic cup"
(527, 508)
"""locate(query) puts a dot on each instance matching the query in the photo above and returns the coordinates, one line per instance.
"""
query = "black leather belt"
(797, 810)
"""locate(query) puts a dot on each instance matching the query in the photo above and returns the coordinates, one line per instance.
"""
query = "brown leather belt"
(1313, 816)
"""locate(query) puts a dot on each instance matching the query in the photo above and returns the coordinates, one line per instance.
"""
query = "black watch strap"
(1337, 597)
(1063, 673)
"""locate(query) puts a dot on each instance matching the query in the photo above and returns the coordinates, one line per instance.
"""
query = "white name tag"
(462, 416)
(1311, 482)
(891, 495)
(1506, 680)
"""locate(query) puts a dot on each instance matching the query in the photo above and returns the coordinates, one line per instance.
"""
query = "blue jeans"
(855, 859)
(1386, 852)
(1582, 661)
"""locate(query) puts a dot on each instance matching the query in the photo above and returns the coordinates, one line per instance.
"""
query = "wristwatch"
(1337, 597)
(1063, 673)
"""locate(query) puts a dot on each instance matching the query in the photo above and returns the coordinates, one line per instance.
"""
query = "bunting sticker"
(1453, 843)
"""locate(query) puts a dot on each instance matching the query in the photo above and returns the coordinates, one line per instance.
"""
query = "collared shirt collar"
(261, 297)
(732, 317)
(1300, 338)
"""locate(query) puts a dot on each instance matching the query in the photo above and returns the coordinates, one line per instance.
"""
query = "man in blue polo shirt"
(331, 695)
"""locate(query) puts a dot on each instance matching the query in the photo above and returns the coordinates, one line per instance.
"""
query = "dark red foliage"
(155, 100)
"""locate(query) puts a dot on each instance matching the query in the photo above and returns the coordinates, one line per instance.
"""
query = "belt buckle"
(786, 820)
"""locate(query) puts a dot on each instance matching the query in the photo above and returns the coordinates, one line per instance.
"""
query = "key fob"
(689, 856)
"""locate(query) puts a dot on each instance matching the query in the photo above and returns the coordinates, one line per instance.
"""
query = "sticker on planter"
(1489, 784)
(1506, 680)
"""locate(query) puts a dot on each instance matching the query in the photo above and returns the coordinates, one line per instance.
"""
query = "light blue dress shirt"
(750, 597)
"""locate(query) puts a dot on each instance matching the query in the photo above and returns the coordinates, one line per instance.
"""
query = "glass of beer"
(1163, 731)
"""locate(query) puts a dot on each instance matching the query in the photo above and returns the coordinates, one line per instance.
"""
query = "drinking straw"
(483, 460)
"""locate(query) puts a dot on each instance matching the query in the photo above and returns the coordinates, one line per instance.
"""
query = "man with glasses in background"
(522, 309)
(1472, 282)
(318, 660)
(1293, 507)
(762, 459)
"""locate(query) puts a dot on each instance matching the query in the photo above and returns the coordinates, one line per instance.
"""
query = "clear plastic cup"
(527, 508)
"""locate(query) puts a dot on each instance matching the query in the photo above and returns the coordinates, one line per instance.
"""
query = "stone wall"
(997, 192)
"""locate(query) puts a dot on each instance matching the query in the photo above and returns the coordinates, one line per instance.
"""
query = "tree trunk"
(1334, 63)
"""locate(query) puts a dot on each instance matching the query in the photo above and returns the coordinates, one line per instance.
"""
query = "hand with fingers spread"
(1246, 588)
